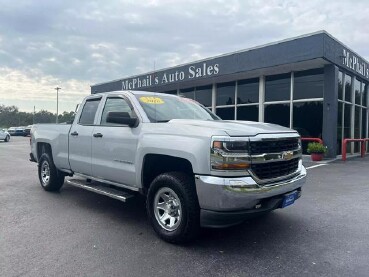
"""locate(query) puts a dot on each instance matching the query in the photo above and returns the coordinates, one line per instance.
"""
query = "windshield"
(162, 108)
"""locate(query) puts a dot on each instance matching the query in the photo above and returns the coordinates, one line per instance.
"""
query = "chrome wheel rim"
(45, 173)
(167, 209)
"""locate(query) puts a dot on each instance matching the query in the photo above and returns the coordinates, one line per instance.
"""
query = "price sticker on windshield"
(151, 100)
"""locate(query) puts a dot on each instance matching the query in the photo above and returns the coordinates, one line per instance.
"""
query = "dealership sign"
(355, 63)
(191, 72)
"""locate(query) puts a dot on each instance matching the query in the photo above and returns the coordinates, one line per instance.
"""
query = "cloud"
(37, 89)
(86, 42)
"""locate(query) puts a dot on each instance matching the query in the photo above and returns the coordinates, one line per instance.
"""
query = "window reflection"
(308, 84)
(340, 85)
(250, 113)
(277, 87)
(226, 93)
(174, 92)
(339, 127)
(347, 124)
(311, 125)
(203, 95)
(187, 92)
(226, 113)
(308, 126)
(348, 97)
(357, 90)
(248, 91)
(365, 94)
(357, 126)
(278, 114)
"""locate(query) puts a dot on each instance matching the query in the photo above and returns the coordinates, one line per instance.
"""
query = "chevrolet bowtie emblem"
(287, 155)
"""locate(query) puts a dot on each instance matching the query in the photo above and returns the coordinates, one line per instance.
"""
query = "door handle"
(98, 135)
(74, 134)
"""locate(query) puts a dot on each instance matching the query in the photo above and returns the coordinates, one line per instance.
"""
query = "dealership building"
(312, 83)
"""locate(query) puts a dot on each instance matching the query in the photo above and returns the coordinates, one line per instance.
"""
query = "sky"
(75, 44)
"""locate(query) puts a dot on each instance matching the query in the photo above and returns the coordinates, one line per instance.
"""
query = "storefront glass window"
(250, 113)
(188, 93)
(248, 91)
(340, 85)
(347, 124)
(278, 114)
(364, 92)
(226, 93)
(308, 84)
(357, 127)
(277, 87)
(348, 88)
(357, 90)
(339, 127)
(171, 92)
(203, 95)
(226, 113)
(308, 126)
(363, 123)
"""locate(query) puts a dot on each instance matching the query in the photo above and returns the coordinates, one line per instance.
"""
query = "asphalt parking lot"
(79, 233)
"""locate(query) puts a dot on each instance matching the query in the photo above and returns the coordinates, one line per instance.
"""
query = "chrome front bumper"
(241, 194)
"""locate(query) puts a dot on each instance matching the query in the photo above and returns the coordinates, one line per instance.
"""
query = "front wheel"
(173, 207)
(51, 179)
(7, 138)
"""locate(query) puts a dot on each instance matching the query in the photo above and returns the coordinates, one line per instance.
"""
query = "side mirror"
(121, 118)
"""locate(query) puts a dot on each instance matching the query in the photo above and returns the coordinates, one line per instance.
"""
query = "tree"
(11, 116)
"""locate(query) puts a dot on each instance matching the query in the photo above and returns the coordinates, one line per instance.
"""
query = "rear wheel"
(7, 138)
(173, 207)
(51, 179)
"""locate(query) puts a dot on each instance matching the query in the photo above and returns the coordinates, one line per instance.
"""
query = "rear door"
(80, 138)
(114, 145)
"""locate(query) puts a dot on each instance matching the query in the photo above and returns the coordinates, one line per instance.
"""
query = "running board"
(101, 188)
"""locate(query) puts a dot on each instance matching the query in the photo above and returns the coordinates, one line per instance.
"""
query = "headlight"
(229, 154)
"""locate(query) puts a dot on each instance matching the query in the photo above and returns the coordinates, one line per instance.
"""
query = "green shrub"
(315, 147)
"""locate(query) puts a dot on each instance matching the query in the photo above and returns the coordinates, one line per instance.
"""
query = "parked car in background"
(27, 130)
(19, 131)
(4, 135)
(11, 131)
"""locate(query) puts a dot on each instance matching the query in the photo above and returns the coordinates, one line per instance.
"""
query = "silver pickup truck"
(194, 169)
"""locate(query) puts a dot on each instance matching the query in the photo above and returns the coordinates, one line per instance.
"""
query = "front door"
(114, 145)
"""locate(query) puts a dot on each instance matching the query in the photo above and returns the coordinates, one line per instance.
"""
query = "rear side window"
(89, 111)
(115, 105)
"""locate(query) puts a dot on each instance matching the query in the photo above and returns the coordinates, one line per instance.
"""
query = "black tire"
(7, 138)
(50, 178)
(184, 189)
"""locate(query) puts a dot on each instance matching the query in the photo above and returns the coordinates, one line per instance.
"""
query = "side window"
(89, 111)
(116, 104)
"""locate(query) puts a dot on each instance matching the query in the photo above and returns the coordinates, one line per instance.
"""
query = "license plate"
(289, 199)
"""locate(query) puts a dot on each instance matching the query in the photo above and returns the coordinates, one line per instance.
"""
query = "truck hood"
(235, 128)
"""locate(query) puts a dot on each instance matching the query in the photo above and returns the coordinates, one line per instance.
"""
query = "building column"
(330, 109)
(261, 98)
(292, 85)
(214, 98)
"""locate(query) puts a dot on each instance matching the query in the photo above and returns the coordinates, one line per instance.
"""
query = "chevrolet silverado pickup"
(194, 169)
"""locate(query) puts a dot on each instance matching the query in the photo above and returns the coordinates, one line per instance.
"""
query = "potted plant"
(316, 150)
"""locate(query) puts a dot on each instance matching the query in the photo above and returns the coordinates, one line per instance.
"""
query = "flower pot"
(317, 156)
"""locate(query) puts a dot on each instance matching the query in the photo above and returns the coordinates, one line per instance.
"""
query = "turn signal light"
(228, 166)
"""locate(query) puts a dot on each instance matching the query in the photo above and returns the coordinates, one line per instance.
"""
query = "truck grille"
(275, 169)
(273, 146)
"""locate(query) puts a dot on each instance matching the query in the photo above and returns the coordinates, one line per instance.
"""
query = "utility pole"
(57, 103)
(34, 111)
